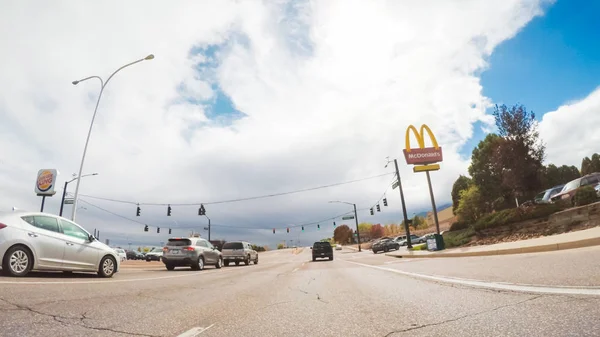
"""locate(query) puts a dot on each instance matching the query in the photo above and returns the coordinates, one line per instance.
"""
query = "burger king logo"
(44, 180)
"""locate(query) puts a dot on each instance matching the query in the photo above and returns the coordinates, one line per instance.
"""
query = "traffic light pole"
(208, 226)
(406, 227)
(357, 232)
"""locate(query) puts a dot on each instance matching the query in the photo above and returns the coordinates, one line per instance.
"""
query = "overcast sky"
(248, 98)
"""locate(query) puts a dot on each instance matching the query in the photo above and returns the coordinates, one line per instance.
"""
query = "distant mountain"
(439, 208)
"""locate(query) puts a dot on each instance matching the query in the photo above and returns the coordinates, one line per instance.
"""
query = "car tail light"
(189, 249)
(2, 225)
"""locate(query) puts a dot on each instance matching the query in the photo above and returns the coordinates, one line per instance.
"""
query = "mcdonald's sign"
(422, 155)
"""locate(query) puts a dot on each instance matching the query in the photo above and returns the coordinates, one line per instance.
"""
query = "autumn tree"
(554, 176)
(521, 152)
(470, 205)
(462, 183)
(590, 165)
(342, 234)
(376, 231)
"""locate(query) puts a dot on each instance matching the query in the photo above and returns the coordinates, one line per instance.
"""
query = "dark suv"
(322, 250)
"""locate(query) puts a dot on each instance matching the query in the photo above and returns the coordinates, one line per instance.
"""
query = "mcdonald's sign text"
(422, 155)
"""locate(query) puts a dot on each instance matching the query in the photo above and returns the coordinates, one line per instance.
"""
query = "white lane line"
(295, 270)
(195, 331)
(114, 281)
(556, 290)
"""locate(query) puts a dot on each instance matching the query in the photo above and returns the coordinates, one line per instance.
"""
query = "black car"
(322, 250)
(385, 246)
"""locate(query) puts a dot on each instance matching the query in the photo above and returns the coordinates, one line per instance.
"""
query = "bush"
(585, 195)
(458, 225)
(419, 247)
(280, 246)
(458, 238)
(513, 215)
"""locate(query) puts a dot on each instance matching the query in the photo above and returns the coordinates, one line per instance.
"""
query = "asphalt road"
(357, 294)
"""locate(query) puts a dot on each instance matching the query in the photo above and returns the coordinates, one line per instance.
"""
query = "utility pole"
(406, 227)
(435, 215)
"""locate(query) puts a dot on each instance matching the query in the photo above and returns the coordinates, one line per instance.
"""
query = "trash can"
(435, 243)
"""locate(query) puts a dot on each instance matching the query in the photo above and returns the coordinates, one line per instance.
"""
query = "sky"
(246, 99)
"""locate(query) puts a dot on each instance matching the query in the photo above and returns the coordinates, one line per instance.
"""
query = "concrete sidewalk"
(579, 239)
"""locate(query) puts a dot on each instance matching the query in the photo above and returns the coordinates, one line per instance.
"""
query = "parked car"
(194, 252)
(338, 247)
(544, 197)
(122, 254)
(239, 251)
(154, 254)
(131, 254)
(385, 245)
(568, 192)
(413, 240)
(597, 188)
(322, 249)
(42, 241)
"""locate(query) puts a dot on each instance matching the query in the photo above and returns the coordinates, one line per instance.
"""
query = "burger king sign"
(46, 179)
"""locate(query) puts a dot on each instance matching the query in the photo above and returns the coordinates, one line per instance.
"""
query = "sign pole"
(406, 227)
(435, 216)
(357, 232)
(43, 201)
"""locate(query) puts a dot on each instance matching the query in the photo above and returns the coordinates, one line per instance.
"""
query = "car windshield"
(540, 196)
(322, 244)
(571, 185)
(233, 245)
(179, 242)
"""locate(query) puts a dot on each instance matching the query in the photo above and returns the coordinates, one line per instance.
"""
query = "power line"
(239, 199)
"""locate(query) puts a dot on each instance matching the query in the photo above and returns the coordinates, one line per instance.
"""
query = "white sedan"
(41, 241)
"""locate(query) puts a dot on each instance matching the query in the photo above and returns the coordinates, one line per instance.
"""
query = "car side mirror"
(91, 238)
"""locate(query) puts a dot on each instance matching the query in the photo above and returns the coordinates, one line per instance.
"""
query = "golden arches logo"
(420, 137)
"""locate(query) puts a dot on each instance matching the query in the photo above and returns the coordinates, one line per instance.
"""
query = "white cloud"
(563, 130)
(328, 88)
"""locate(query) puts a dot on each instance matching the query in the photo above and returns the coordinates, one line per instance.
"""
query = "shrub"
(419, 247)
(458, 225)
(458, 238)
(513, 215)
(585, 195)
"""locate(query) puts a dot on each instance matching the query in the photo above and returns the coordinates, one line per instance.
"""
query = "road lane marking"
(555, 290)
(114, 281)
(295, 270)
(195, 331)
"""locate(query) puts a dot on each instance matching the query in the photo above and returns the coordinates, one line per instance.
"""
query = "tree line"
(344, 234)
(507, 167)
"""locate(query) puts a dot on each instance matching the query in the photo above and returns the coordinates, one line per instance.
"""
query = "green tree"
(342, 234)
(376, 231)
(462, 183)
(469, 207)
(419, 222)
(280, 246)
(364, 227)
(590, 165)
(486, 173)
(521, 152)
(554, 175)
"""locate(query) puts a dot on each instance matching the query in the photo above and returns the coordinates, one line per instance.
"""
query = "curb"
(509, 251)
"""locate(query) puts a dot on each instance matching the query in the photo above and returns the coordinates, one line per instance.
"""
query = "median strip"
(528, 288)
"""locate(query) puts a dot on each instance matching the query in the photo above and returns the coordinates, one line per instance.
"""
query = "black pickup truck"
(322, 250)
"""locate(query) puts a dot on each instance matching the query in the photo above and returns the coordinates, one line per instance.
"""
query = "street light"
(208, 226)
(355, 218)
(102, 86)
(62, 202)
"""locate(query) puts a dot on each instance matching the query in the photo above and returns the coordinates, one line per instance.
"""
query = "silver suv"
(194, 252)
(238, 251)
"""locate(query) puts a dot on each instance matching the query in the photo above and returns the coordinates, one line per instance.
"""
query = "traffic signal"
(169, 210)
(137, 213)
(318, 227)
(157, 229)
(288, 230)
(378, 208)
(169, 230)
(334, 224)
(303, 228)
(273, 230)
(201, 210)
(384, 202)
(146, 228)
(371, 211)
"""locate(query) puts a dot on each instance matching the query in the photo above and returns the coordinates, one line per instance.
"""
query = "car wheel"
(331, 258)
(199, 265)
(256, 260)
(219, 263)
(374, 252)
(226, 263)
(314, 259)
(237, 263)
(247, 261)
(107, 268)
(170, 267)
(17, 262)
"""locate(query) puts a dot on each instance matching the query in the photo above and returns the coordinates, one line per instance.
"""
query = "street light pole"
(208, 226)
(355, 218)
(62, 201)
(102, 86)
